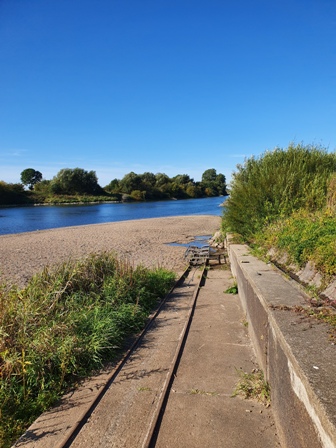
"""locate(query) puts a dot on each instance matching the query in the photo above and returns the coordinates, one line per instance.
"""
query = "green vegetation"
(12, 194)
(30, 177)
(285, 200)
(253, 386)
(277, 184)
(232, 290)
(75, 181)
(78, 185)
(63, 325)
(149, 186)
(303, 237)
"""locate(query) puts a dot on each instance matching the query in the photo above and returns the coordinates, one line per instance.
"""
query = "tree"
(113, 186)
(131, 182)
(30, 177)
(12, 193)
(148, 179)
(214, 184)
(75, 181)
(182, 179)
(161, 179)
(209, 175)
(43, 186)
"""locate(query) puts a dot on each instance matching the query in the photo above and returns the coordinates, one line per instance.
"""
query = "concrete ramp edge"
(295, 351)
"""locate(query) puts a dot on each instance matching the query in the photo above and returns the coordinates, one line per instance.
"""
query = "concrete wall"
(295, 352)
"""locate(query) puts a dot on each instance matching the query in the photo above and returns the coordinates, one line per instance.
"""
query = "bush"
(275, 185)
(12, 194)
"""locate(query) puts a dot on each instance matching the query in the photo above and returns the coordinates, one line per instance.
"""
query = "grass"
(65, 324)
(253, 386)
(303, 237)
(232, 290)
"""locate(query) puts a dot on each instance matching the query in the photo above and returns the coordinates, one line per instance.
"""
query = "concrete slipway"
(294, 352)
(201, 411)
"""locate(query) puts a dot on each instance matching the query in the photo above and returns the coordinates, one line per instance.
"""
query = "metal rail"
(153, 430)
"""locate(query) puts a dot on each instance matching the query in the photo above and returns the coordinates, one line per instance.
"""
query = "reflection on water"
(198, 241)
(27, 219)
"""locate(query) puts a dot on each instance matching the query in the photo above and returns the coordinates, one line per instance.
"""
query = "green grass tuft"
(253, 386)
(232, 290)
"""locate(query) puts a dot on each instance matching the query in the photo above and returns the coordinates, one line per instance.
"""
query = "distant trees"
(30, 177)
(130, 182)
(12, 193)
(113, 186)
(133, 186)
(75, 181)
(149, 186)
(215, 184)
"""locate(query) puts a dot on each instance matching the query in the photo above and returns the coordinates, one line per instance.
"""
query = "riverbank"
(144, 241)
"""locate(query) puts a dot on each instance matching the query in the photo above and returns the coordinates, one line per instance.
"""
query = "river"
(29, 219)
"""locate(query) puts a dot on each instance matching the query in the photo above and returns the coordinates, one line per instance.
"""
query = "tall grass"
(275, 185)
(63, 325)
(303, 237)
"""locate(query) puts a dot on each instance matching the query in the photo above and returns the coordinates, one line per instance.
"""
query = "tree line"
(132, 187)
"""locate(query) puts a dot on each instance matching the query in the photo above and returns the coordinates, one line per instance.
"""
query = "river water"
(28, 219)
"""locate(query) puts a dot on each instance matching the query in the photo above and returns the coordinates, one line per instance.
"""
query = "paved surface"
(201, 411)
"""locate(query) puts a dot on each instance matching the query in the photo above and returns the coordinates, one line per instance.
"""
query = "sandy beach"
(144, 242)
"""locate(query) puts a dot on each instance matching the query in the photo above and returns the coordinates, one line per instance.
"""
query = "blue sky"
(173, 86)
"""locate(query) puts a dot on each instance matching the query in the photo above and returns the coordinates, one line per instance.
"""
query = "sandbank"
(144, 241)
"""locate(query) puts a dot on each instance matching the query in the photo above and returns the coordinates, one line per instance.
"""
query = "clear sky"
(173, 86)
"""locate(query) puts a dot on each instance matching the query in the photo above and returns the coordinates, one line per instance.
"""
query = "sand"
(144, 242)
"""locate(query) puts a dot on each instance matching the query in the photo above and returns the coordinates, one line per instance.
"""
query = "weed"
(225, 267)
(232, 290)
(253, 386)
(202, 392)
(326, 315)
(236, 238)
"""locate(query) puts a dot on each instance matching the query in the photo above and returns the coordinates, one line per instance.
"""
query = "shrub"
(12, 194)
(276, 184)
